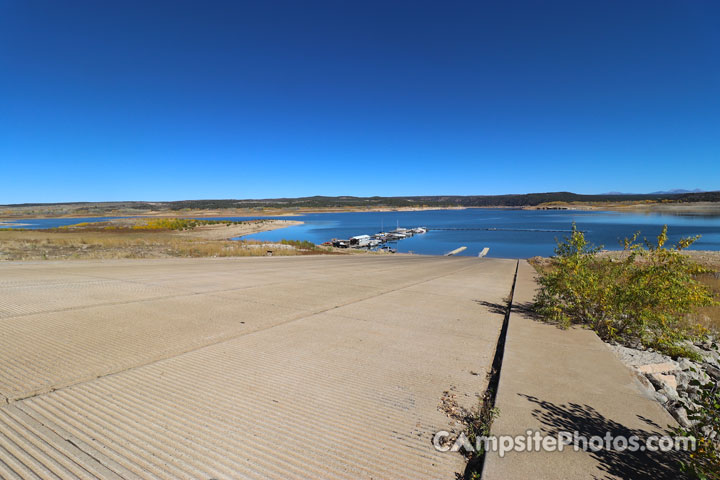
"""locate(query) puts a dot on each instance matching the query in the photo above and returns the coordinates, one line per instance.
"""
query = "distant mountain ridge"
(659, 192)
(511, 200)
(678, 190)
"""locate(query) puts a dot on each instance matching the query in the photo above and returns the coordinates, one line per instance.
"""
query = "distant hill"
(510, 200)
(660, 192)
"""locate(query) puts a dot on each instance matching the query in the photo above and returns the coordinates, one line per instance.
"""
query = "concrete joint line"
(478, 463)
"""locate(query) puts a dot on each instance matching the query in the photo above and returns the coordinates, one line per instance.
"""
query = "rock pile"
(669, 380)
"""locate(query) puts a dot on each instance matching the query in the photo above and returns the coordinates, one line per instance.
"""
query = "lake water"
(38, 223)
(508, 233)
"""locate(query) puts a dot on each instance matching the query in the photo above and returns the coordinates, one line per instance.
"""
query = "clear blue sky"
(172, 100)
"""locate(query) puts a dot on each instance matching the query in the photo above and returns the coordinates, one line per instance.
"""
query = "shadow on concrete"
(499, 308)
(527, 309)
(588, 422)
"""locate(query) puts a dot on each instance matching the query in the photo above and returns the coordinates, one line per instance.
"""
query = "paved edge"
(555, 380)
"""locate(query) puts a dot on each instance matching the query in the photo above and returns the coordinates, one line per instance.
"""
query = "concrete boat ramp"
(323, 367)
(281, 367)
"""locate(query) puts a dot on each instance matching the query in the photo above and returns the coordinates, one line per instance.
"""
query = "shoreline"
(10, 219)
(213, 214)
(138, 239)
(697, 208)
(222, 232)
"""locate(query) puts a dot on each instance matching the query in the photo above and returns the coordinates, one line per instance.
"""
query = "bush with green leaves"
(300, 244)
(643, 297)
(704, 462)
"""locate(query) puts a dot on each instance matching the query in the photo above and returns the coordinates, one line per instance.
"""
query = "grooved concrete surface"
(295, 367)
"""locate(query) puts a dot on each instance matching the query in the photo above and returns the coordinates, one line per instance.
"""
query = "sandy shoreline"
(224, 213)
(13, 218)
(138, 238)
(223, 232)
(697, 208)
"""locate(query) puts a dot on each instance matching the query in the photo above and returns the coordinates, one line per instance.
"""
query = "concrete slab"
(315, 367)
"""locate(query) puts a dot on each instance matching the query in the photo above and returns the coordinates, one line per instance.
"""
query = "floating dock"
(456, 251)
(378, 240)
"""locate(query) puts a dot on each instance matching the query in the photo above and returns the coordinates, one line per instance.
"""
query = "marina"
(378, 241)
(387, 241)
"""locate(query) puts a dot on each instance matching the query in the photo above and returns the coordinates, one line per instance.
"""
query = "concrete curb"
(553, 380)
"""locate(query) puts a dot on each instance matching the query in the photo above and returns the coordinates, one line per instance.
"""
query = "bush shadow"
(588, 422)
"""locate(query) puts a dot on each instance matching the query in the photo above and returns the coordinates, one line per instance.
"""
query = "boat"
(340, 243)
(360, 241)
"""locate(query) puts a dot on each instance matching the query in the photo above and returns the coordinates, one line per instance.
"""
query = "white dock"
(456, 251)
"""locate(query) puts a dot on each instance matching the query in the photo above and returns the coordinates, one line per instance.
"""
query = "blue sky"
(207, 99)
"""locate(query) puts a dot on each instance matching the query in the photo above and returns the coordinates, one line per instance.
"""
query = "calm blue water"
(38, 223)
(517, 234)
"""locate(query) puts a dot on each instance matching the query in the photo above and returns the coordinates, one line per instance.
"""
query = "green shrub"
(167, 224)
(178, 224)
(300, 244)
(644, 297)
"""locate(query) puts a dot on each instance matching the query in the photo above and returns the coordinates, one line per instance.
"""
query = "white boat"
(360, 241)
